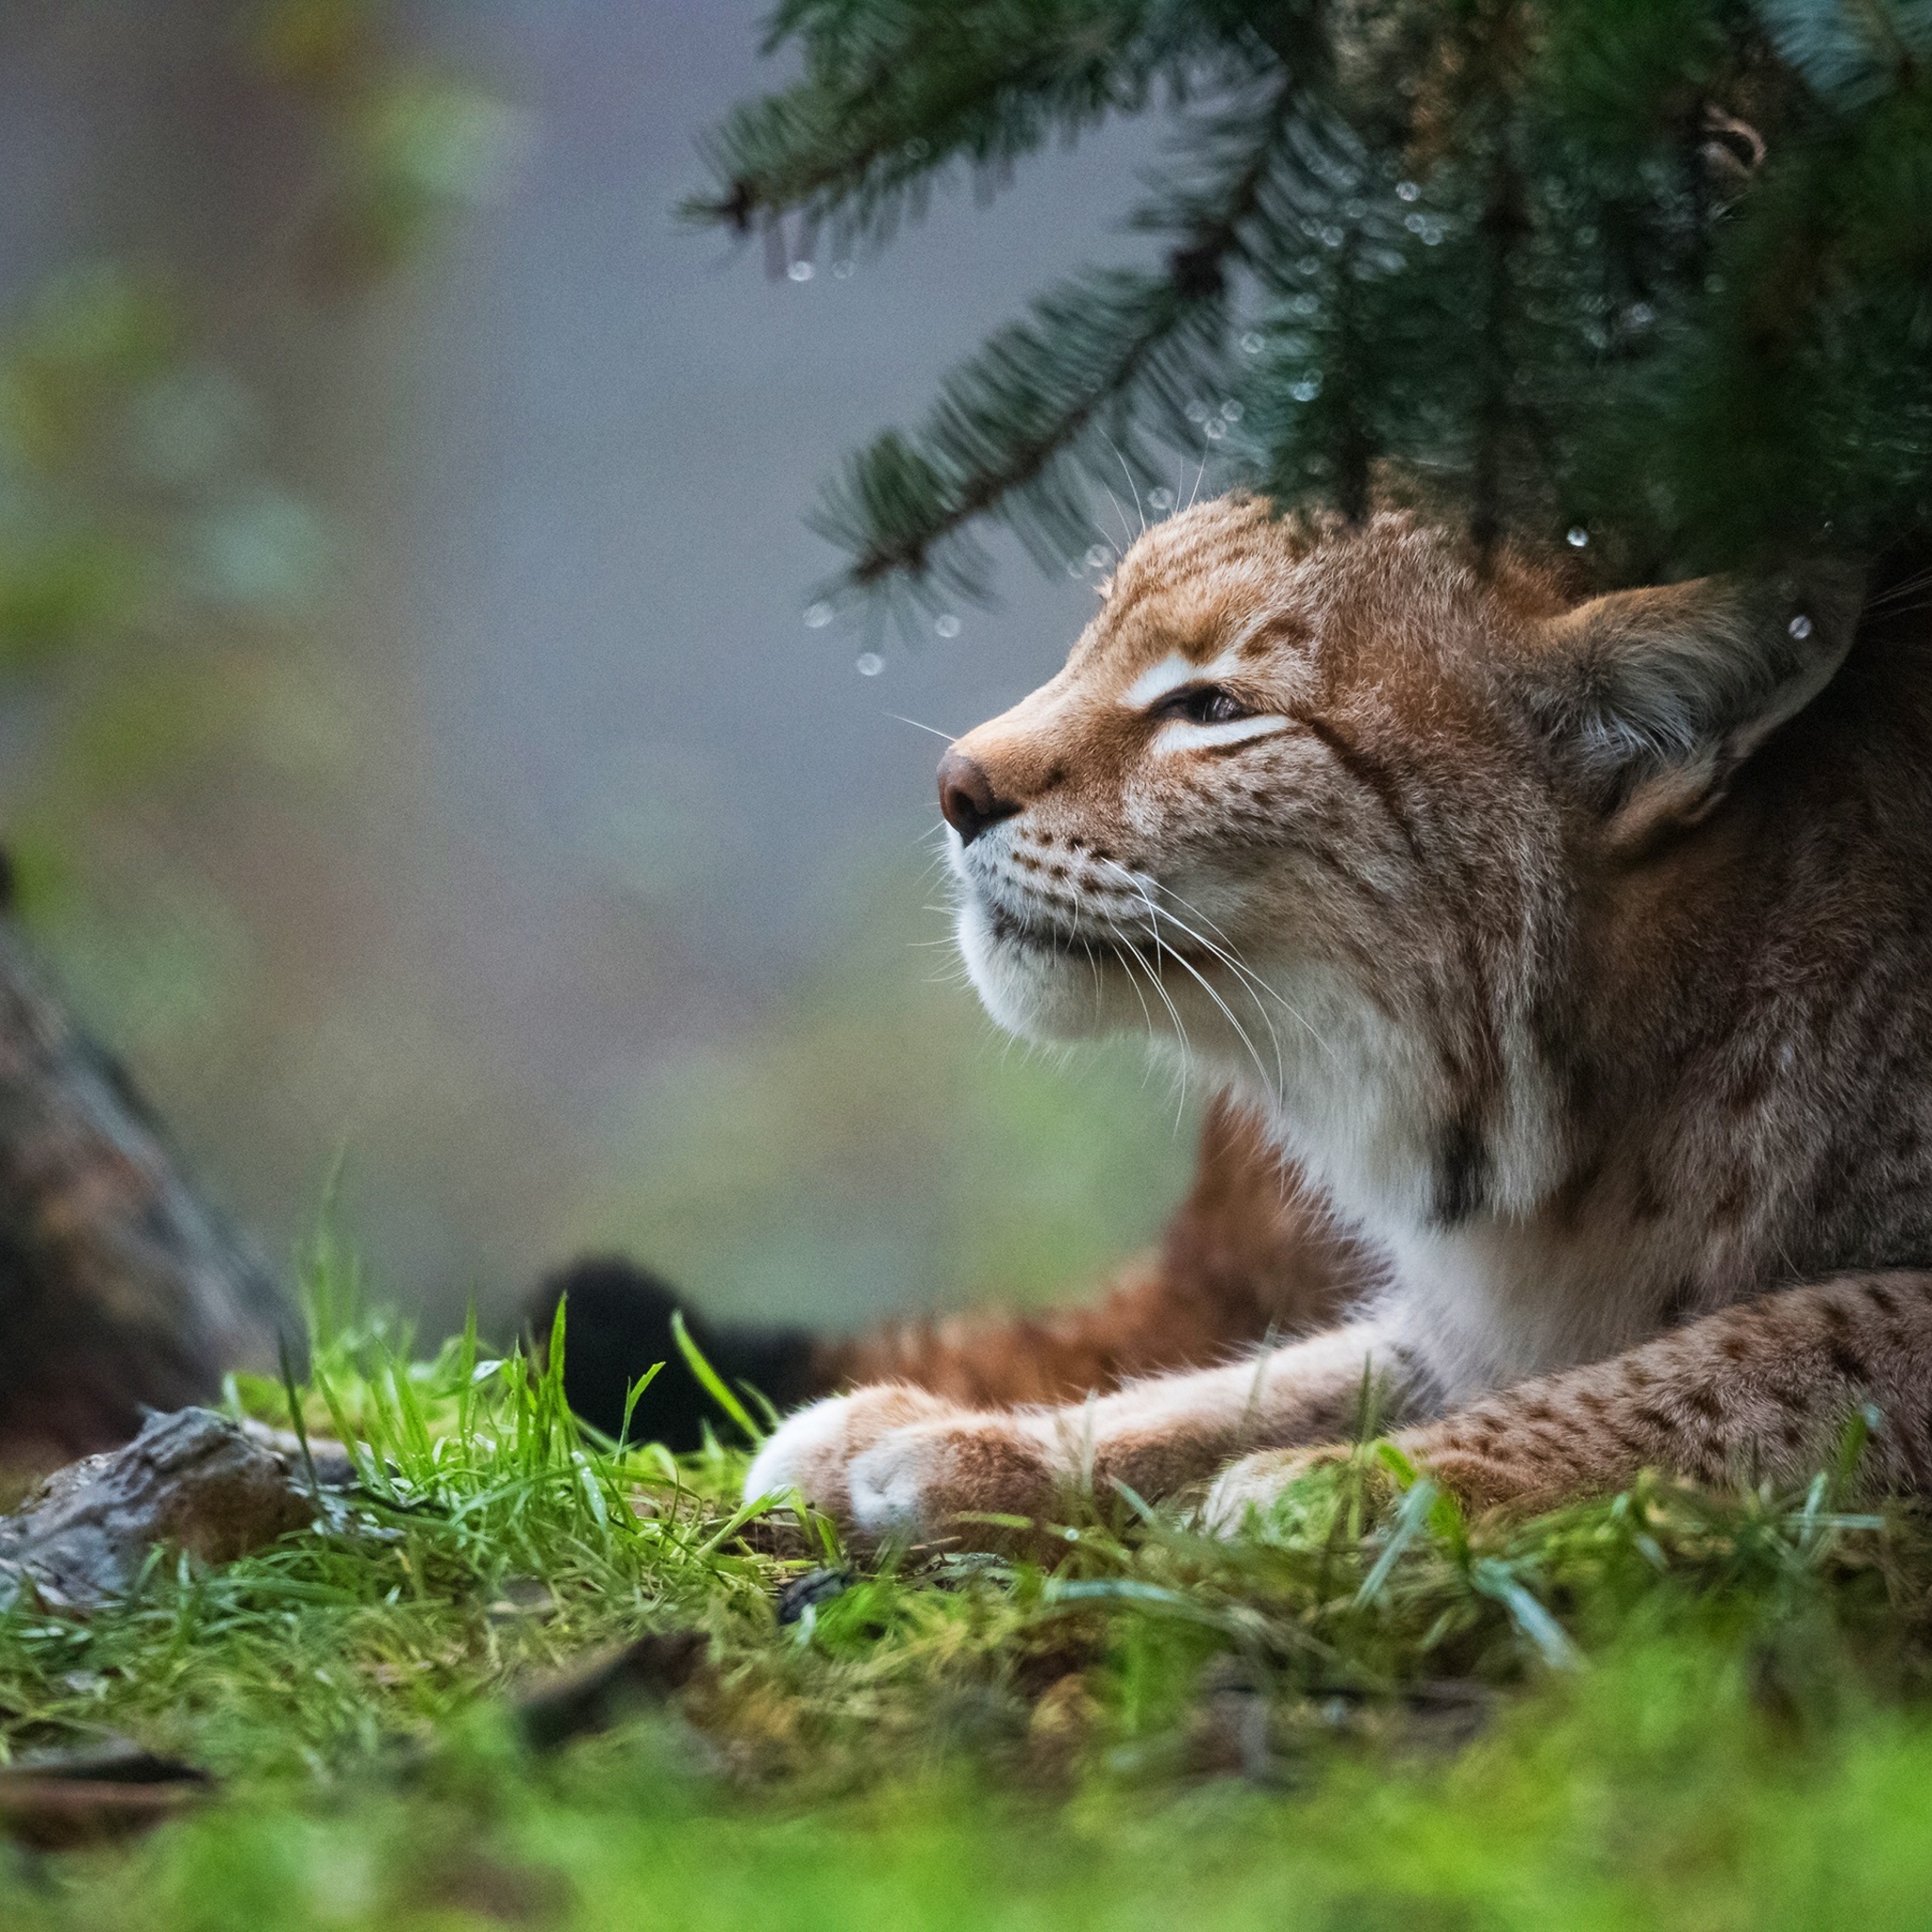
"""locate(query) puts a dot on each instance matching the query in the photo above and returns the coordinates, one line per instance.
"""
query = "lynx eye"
(1204, 704)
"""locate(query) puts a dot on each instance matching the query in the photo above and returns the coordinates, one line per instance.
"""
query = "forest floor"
(1667, 1709)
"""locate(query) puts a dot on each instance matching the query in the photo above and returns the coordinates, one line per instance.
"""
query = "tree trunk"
(119, 1288)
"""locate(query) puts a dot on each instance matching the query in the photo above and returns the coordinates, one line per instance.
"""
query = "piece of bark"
(120, 1290)
(53, 1814)
(193, 1480)
(55, 1801)
(327, 1460)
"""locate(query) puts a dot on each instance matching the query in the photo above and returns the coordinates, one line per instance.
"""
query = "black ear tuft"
(619, 1324)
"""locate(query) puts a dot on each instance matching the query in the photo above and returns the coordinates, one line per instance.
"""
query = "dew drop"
(1251, 344)
(1408, 190)
(841, 271)
(1099, 556)
(1215, 430)
(1415, 224)
(1355, 209)
(1232, 409)
(817, 616)
(1640, 315)
(1307, 389)
(1198, 411)
(869, 664)
(1577, 537)
(1161, 498)
(1800, 626)
(801, 270)
(946, 624)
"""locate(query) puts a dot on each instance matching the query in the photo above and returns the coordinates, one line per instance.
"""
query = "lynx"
(1572, 961)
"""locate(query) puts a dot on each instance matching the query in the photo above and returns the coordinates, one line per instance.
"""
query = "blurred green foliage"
(402, 145)
(872, 1140)
(159, 573)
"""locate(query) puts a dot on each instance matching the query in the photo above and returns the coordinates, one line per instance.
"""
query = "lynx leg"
(1758, 1390)
(886, 1463)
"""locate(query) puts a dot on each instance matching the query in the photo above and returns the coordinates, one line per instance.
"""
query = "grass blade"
(713, 1382)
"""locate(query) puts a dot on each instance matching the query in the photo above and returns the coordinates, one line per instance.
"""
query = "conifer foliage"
(1654, 276)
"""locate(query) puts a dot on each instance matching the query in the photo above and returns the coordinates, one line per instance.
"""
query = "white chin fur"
(1038, 994)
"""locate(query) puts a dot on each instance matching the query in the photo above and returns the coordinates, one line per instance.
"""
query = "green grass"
(1670, 1708)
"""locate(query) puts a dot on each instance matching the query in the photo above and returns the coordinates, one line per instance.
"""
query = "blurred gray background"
(574, 892)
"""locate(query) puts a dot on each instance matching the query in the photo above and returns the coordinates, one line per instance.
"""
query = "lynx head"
(1317, 805)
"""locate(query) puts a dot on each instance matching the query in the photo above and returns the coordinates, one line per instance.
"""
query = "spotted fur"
(1577, 952)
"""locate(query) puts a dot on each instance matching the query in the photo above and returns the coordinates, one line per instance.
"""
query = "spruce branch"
(1007, 419)
(1655, 274)
(1108, 361)
(894, 93)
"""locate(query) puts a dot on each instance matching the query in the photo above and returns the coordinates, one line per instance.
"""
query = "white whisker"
(1187, 965)
(1238, 966)
(950, 736)
(1092, 959)
(1127, 953)
(1196, 490)
(1130, 475)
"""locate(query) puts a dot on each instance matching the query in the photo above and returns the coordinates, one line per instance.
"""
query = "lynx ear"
(1655, 697)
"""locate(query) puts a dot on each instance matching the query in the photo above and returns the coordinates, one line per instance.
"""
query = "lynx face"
(1317, 807)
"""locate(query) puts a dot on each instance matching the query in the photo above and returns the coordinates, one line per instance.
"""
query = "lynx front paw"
(918, 1482)
(897, 1462)
(1247, 1491)
(811, 1453)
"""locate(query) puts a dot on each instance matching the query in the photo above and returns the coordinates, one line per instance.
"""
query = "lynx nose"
(967, 799)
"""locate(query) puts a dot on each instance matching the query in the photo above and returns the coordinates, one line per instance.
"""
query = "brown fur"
(1576, 953)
